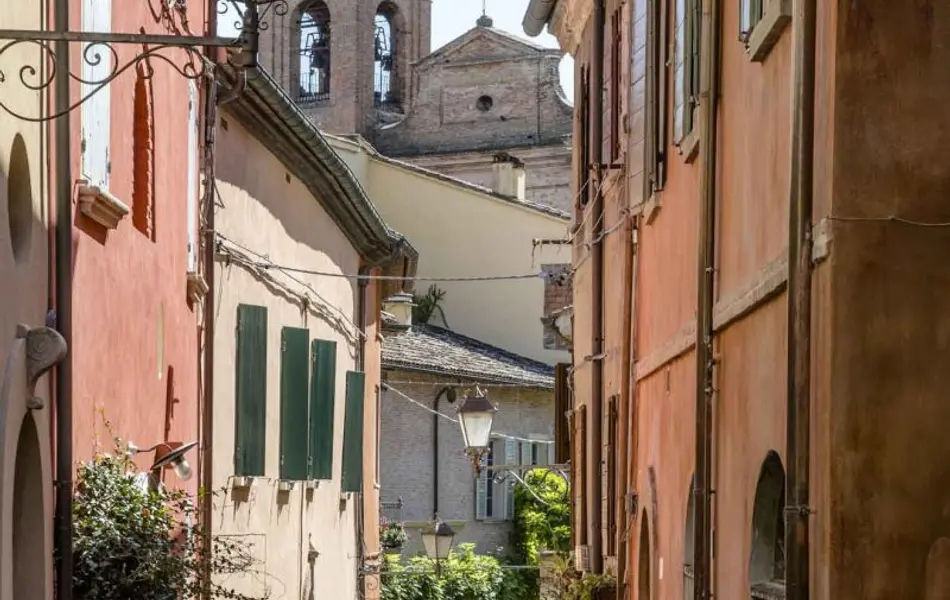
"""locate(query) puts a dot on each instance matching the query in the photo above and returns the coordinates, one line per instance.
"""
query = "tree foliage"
(134, 541)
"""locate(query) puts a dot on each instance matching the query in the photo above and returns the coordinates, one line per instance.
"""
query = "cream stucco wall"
(23, 300)
(270, 212)
(460, 231)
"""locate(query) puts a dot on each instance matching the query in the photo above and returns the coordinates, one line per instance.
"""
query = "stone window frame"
(761, 24)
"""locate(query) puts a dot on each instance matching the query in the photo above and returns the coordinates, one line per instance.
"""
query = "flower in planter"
(392, 534)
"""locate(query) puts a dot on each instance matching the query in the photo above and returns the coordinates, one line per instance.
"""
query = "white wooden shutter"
(526, 453)
(745, 17)
(96, 111)
(680, 105)
(192, 201)
(544, 454)
(511, 458)
(481, 492)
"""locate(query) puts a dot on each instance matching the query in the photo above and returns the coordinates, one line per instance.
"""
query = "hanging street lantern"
(476, 414)
(437, 539)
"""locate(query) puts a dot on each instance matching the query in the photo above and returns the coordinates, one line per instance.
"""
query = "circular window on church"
(484, 103)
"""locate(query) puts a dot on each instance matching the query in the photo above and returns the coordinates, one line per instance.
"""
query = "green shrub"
(135, 542)
(464, 576)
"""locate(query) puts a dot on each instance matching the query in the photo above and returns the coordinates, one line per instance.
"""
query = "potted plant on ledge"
(392, 536)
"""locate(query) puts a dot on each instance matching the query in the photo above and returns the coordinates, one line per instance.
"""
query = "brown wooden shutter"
(610, 476)
(562, 408)
(580, 468)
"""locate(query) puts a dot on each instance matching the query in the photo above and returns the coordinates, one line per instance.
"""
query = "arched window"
(313, 53)
(644, 570)
(767, 557)
(386, 87)
(689, 544)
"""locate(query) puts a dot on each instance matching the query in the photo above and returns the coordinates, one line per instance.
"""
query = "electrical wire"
(402, 395)
(266, 263)
(891, 219)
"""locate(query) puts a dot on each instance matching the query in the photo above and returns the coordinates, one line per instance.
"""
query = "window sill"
(101, 206)
(197, 287)
(651, 208)
(241, 482)
(689, 146)
(766, 33)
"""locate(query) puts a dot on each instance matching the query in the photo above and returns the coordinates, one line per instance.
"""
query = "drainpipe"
(799, 305)
(449, 391)
(64, 313)
(595, 462)
(705, 361)
(627, 418)
(359, 505)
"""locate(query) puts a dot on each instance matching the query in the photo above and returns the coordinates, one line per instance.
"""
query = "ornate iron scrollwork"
(179, 49)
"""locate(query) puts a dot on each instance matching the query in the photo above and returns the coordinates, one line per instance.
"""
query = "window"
(95, 114)
(610, 477)
(583, 137)
(495, 488)
(313, 53)
(656, 97)
(767, 557)
(689, 544)
(143, 154)
(686, 38)
(386, 84)
(750, 13)
(616, 50)
(251, 390)
(353, 432)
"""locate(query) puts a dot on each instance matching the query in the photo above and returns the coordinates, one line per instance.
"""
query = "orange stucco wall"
(135, 340)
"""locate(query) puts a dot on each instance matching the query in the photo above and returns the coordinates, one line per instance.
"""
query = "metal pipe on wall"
(627, 418)
(594, 462)
(709, 96)
(64, 312)
(798, 423)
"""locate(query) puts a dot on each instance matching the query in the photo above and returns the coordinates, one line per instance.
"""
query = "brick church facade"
(365, 69)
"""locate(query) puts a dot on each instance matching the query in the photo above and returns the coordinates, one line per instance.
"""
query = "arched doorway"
(644, 571)
(29, 556)
(767, 553)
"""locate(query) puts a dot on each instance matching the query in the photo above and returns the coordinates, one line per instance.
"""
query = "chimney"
(400, 307)
(508, 176)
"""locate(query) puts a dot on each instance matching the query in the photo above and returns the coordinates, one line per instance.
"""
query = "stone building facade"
(484, 92)
(422, 459)
(364, 68)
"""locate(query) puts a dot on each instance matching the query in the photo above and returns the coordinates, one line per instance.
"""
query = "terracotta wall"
(135, 344)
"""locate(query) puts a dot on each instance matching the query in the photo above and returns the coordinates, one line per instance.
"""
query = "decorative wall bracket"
(184, 53)
(45, 348)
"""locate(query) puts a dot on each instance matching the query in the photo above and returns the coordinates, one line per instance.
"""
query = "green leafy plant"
(134, 541)
(392, 534)
(464, 576)
(427, 305)
(589, 586)
(542, 522)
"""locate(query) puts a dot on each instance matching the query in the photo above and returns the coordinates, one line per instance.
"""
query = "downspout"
(595, 462)
(705, 360)
(362, 286)
(799, 305)
(64, 312)
(207, 409)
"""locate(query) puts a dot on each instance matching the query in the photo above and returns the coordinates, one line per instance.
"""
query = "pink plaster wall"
(130, 291)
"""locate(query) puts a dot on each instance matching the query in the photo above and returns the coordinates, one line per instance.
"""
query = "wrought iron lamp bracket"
(183, 53)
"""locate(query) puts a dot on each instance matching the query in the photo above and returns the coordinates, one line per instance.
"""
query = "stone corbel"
(197, 287)
(101, 206)
(45, 348)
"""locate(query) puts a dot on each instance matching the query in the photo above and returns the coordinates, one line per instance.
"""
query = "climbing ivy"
(542, 522)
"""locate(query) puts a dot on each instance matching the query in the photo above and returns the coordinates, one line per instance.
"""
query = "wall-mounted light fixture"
(167, 454)
(476, 415)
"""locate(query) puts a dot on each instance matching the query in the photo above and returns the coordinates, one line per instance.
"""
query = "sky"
(452, 18)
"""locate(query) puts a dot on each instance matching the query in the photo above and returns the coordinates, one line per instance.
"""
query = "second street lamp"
(437, 539)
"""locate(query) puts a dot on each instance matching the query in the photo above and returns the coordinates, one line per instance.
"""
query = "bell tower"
(347, 63)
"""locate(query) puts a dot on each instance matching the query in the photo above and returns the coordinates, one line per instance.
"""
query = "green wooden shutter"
(294, 376)
(322, 400)
(250, 390)
(353, 432)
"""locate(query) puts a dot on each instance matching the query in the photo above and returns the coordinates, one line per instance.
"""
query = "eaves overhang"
(268, 113)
